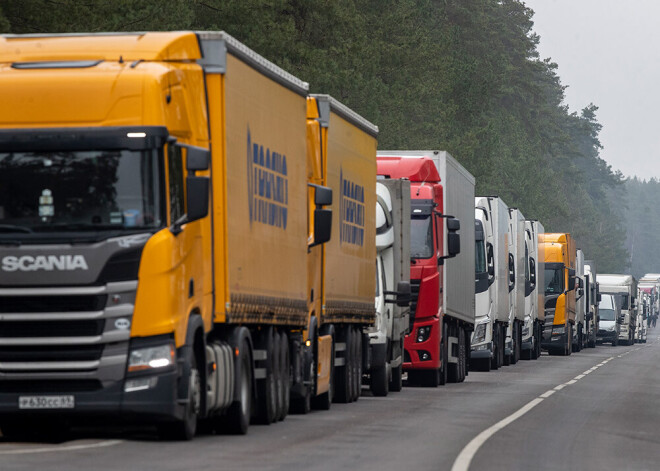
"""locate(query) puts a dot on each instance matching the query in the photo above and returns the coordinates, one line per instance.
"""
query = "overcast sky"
(608, 52)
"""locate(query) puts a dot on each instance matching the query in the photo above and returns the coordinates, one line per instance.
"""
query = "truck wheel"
(515, 353)
(502, 339)
(267, 390)
(453, 369)
(379, 385)
(285, 375)
(568, 348)
(343, 376)
(442, 373)
(238, 416)
(185, 428)
(495, 361)
(615, 341)
(396, 384)
(462, 357)
(534, 352)
(357, 365)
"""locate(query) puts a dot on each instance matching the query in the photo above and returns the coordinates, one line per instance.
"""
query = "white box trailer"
(458, 201)
(491, 282)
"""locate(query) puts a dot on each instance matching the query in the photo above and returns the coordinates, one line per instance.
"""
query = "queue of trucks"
(189, 238)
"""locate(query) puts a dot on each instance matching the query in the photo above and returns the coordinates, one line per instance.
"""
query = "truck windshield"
(479, 257)
(100, 191)
(421, 237)
(606, 308)
(554, 278)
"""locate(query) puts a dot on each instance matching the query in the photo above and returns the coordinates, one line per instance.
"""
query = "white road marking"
(51, 449)
(464, 458)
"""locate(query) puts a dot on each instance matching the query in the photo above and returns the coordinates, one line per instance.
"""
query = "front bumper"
(158, 403)
(606, 335)
(423, 355)
(483, 351)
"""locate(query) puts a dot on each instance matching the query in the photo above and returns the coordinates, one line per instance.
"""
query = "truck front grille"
(414, 295)
(25, 304)
(64, 334)
(55, 353)
(51, 329)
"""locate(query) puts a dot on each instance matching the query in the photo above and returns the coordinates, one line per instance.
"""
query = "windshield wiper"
(78, 226)
(13, 228)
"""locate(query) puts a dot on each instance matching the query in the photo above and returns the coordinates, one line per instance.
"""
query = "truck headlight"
(559, 330)
(479, 333)
(423, 333)
(149, 358)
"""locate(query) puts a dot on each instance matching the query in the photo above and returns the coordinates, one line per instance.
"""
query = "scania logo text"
(44, 262)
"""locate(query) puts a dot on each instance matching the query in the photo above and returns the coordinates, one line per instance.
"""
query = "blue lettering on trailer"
(351, 212)
(268, 185)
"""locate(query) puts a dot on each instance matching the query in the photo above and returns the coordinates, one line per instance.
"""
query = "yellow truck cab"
(164, 206)
(559, 249)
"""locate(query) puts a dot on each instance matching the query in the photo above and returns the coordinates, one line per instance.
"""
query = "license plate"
(46, 402)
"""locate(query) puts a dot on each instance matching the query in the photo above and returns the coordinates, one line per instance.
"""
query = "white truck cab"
(610, 319)
(392, 299)
(624, 287)
(491, 282)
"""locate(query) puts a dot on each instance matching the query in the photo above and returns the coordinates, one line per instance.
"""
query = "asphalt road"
(597, 409)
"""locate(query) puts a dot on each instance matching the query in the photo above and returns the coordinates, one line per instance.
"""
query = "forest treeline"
(459, 75)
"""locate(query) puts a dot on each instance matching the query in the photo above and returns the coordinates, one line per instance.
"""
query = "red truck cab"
(425, 355)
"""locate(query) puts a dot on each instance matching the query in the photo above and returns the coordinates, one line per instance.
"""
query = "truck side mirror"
(512, 272)
(600, 297)
(402, 293)
(453, 238)
(571, 279)
(197, 158)
(490, 261)
(197, 188)
(197, 196)
(532, 271)
(322, 217)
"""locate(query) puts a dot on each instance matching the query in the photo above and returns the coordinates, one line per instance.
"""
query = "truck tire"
(396, 381)
(343, 373)
(185, 428)
(442, 373)
(357, 363)
(238, 416)
(462, 355)
(615, 341)
(396, 384)
(267, 390)
(535, 352)
(279, 381)
(285, 375)
(495, 362)
(453, 369)
(568, 349)
(379, 384)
